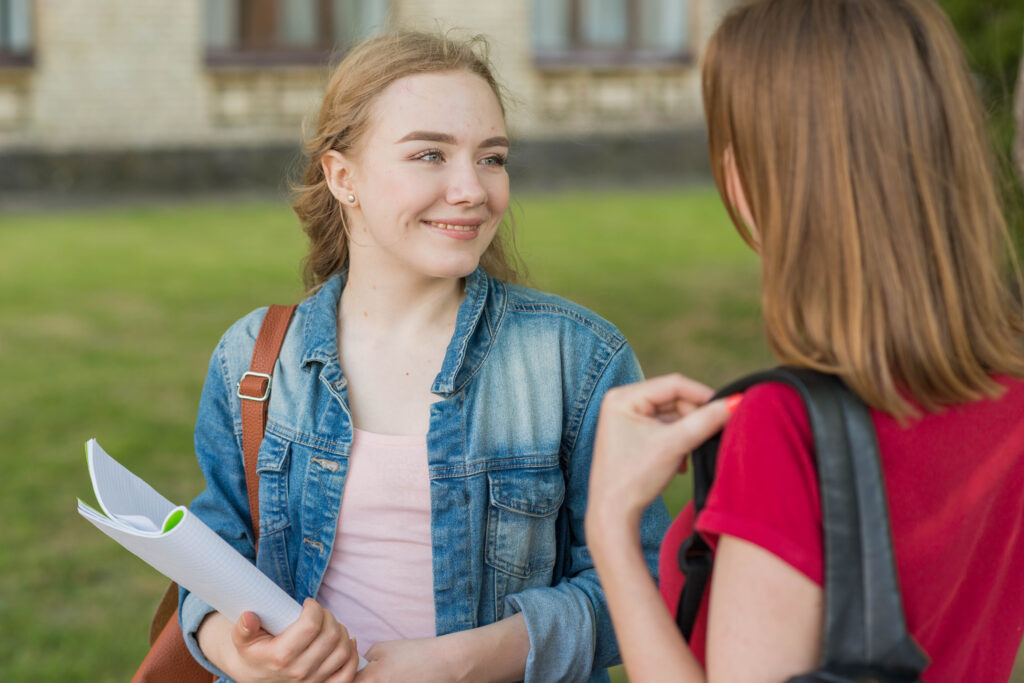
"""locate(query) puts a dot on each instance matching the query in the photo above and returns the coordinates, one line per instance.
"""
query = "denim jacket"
(509, 446)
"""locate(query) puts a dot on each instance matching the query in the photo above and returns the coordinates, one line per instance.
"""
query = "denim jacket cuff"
(561, 630)
(192, 612)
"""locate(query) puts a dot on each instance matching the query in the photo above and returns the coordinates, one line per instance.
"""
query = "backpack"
(865, 631)
(168, 659)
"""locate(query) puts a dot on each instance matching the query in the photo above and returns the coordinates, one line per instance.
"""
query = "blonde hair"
(859, 140)
(344, 117)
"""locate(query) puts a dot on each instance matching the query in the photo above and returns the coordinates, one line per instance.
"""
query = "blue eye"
(495, 160)
(432, 155)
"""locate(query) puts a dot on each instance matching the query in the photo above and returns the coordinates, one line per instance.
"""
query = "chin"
(453, 269)
(455, 273)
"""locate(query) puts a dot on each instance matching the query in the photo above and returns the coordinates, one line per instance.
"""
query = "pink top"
(379, 581)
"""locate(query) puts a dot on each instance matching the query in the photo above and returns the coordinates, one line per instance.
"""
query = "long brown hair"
(344, 117)
(859, 140)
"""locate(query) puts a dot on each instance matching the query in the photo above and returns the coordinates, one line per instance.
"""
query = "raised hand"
(644, 432)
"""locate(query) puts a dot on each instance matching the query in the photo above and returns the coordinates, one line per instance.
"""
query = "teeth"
(446, 226)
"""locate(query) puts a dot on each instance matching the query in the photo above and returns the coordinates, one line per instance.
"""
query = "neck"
(392, 301)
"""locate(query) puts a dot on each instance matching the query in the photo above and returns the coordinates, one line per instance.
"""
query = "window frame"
(579, 54)
(10, 58)
(258, 21)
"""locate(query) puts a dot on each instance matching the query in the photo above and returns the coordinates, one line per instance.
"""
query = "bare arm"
(644, 432)
(652, 647)
(764, 624)
(765, 618)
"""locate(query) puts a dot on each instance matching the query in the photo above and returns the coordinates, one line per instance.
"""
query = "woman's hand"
(414, 659)
(644, 432)
(315, 649)
(492, 653)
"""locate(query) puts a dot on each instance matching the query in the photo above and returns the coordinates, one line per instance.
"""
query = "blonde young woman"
(848, 144)
(423, 477)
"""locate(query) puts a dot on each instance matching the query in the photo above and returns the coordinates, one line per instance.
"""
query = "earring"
(351, 199)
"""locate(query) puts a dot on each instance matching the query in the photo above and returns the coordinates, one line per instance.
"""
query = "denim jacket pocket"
(272, 465)
(521, 544)
(272, 468)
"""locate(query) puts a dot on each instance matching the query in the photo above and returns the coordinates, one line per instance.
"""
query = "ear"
(734, 190)
(338, 171)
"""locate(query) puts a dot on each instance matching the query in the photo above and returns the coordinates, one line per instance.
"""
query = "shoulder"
(765, 489)
(770, 430)
(312, 321)
(547, 339)
(528, 306)
(771, 404)
(233, 354)
(241, 335)
(769, 425)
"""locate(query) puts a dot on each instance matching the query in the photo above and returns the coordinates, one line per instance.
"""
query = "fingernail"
(733, 402)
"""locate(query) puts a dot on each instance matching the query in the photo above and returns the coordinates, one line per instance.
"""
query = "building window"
(287, 31)
(609, 32)
(15, 32)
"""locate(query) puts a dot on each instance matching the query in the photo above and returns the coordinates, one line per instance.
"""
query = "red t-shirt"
(955, 484)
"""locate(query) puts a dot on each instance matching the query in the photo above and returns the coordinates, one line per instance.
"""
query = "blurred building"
(193, 94)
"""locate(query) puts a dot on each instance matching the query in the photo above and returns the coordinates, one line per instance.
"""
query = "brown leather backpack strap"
(254, 390)
(168, 659)
(165, 611)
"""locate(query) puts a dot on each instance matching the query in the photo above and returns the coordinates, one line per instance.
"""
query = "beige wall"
(110, 73)
(556, 102)
(129, 74)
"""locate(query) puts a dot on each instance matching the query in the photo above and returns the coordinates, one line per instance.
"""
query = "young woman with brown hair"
(848, 144)
(423, 476)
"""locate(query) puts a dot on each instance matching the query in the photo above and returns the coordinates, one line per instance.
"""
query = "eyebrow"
(429, 136)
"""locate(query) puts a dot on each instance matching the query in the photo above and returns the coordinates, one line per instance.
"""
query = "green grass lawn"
(108, 319)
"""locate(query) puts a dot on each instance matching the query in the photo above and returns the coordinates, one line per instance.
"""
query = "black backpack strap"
(865, 629)
(695, 557)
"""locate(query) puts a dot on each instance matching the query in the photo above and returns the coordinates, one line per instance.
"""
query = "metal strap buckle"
(266, 392)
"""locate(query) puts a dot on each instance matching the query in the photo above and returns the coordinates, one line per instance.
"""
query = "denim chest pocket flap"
(524, 505)
(272, 467)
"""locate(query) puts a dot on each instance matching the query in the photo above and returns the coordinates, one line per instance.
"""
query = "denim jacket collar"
(461, 359)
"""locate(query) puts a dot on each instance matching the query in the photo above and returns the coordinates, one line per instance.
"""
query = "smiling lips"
(457, 228)
(460, 225)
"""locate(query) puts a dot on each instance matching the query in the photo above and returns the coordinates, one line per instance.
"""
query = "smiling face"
(428, 177)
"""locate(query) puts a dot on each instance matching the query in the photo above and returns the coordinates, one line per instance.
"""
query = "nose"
(465, 186)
